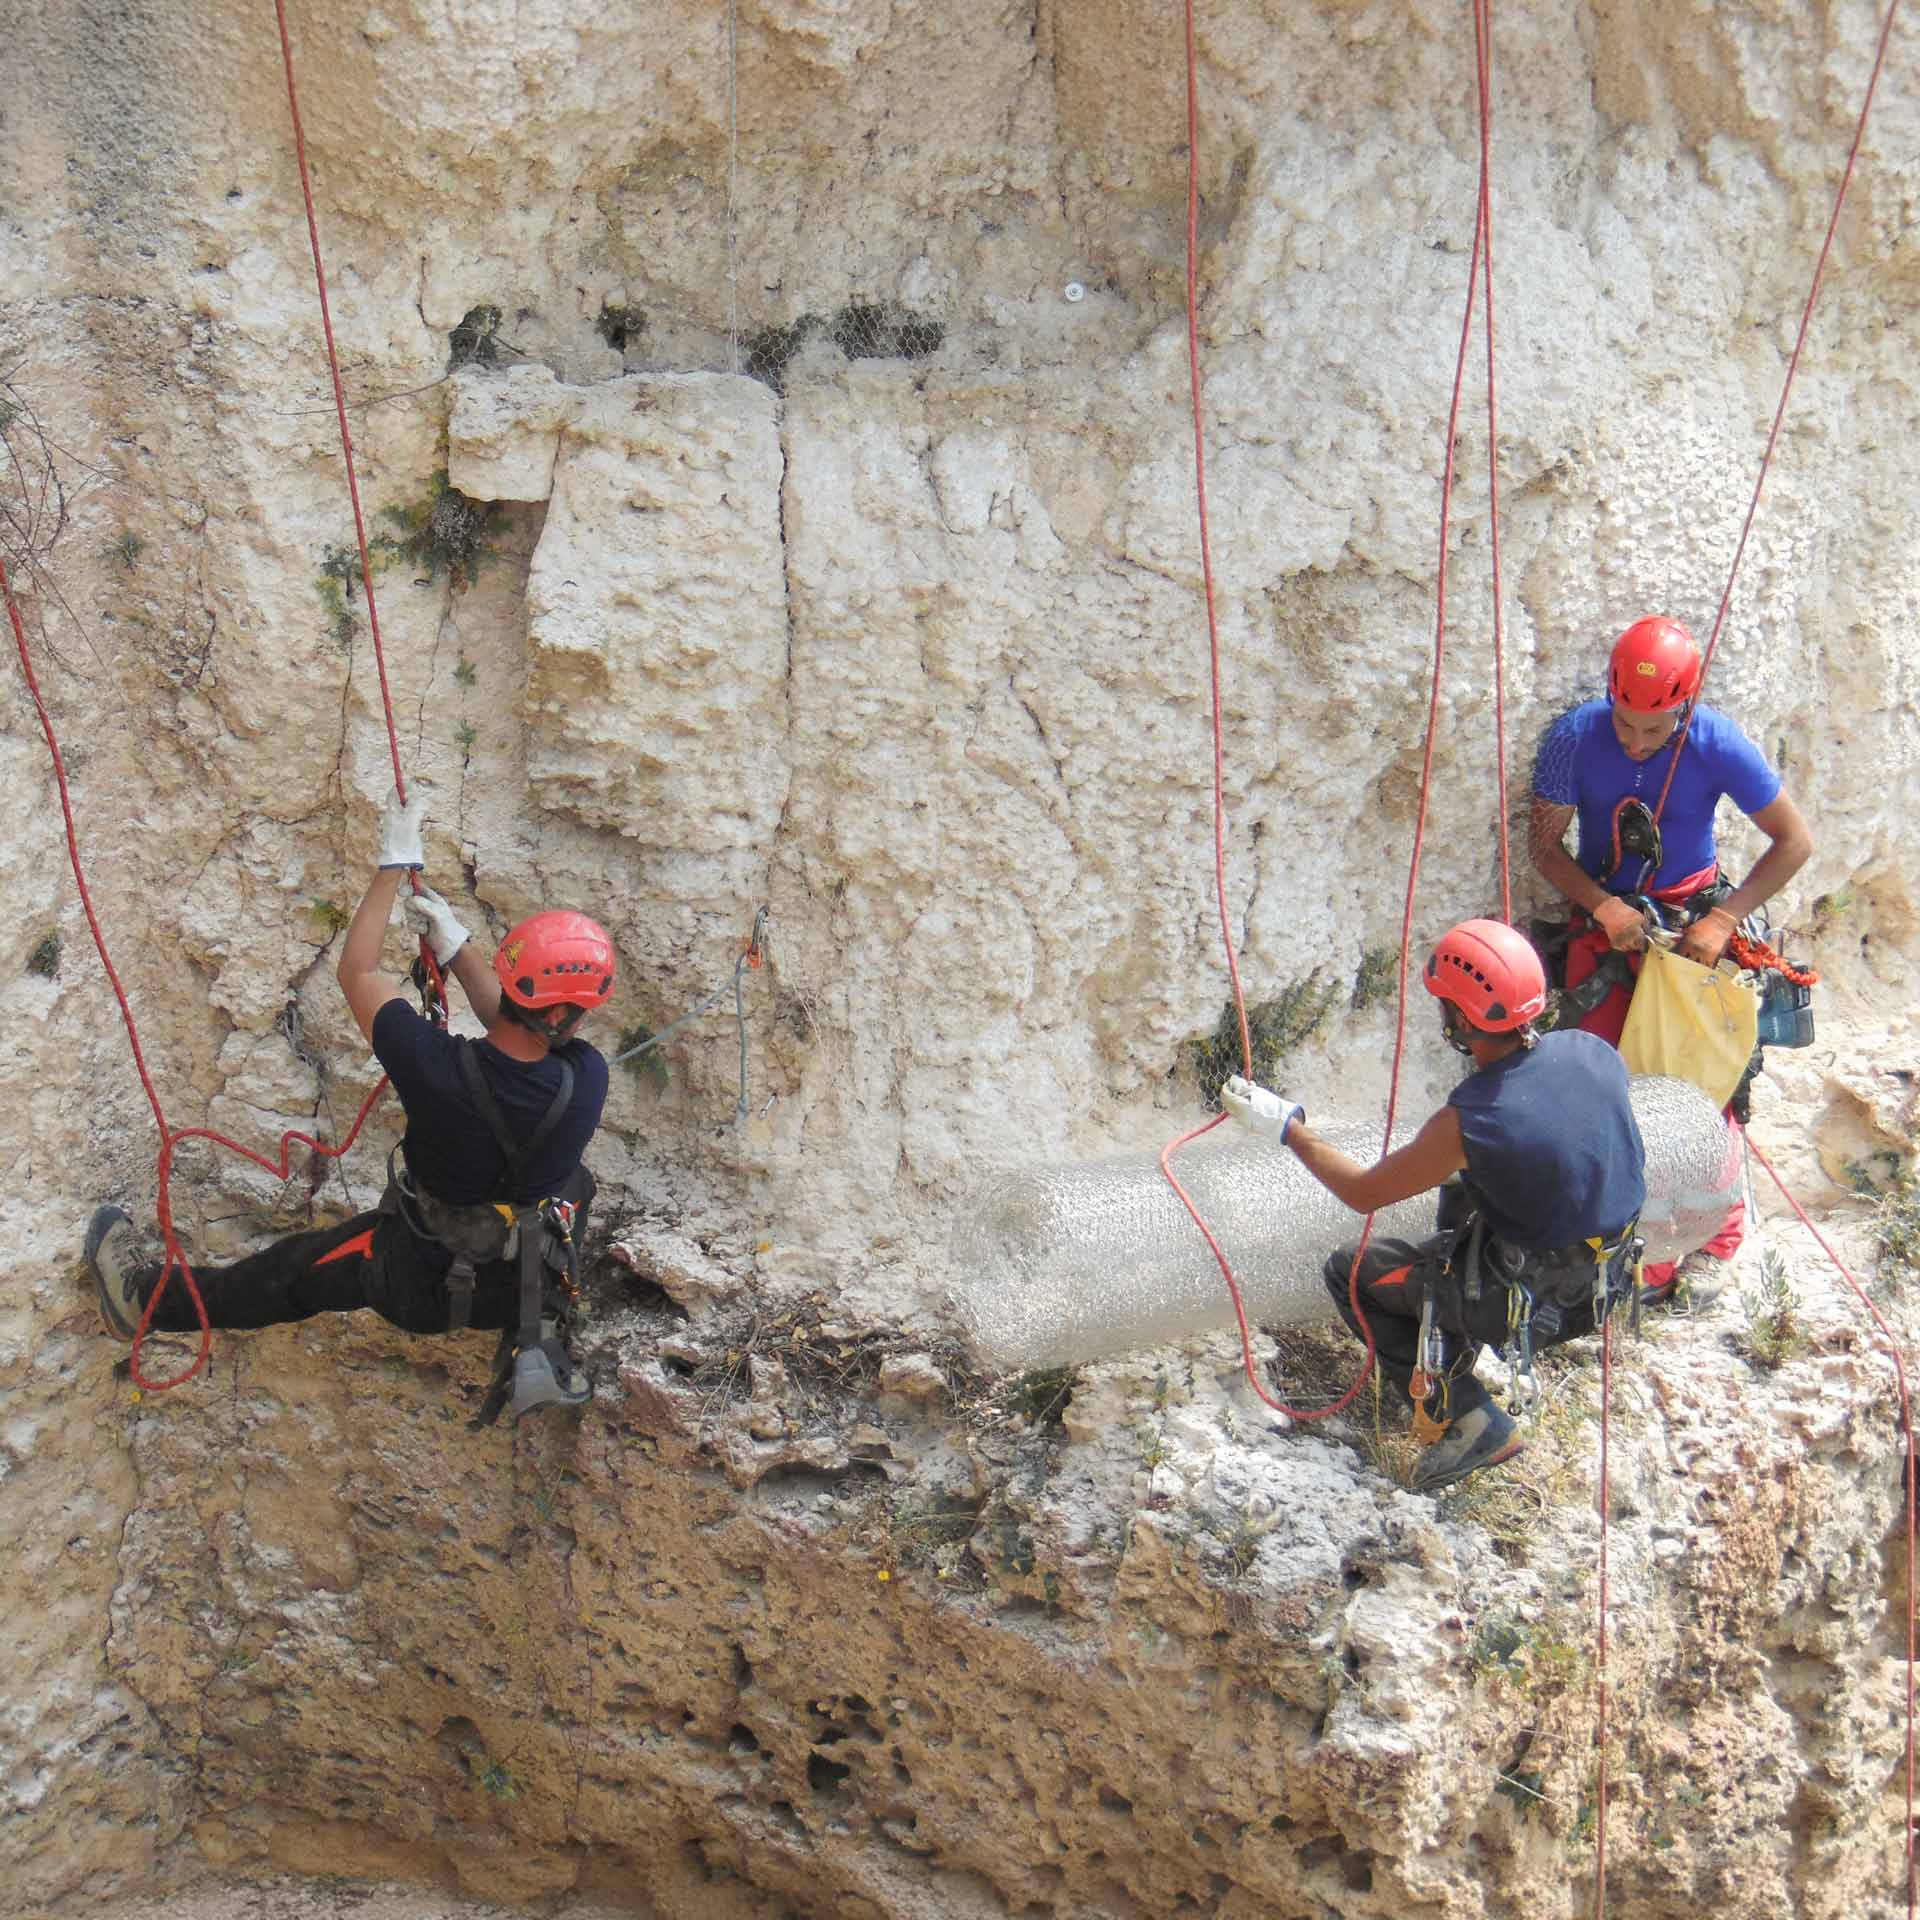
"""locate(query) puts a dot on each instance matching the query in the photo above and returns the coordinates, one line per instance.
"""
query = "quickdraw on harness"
(1475, 1256)
(533, 1367)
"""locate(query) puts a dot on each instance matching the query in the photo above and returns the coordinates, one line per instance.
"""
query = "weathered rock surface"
(813, 548)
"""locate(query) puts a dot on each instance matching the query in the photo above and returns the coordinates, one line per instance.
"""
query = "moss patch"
(1275, 1027)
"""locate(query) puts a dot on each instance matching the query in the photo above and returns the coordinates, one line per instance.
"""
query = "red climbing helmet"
(1655, 666)
(556, 959)
(1491, 973)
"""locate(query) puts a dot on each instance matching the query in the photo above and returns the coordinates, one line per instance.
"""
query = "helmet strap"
(1460, 1031)
(555, 1032)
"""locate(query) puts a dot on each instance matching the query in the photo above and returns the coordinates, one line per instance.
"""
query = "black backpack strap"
(518, 1153)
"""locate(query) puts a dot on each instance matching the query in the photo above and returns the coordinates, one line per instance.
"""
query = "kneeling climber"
(1537, 1241)
(483, 1216)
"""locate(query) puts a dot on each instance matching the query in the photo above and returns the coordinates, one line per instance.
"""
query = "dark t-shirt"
(1552, 1144)
(450, 1150)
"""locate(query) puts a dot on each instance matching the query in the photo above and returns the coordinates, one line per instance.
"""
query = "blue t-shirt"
(450, 1150)
(1552, 1145)
(1581, 764)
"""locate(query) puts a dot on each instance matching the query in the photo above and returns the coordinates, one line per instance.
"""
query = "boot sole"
(1453, 1479)
(104, 1220)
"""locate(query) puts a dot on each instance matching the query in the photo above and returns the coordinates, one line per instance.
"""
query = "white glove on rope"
(1261, 1112)
(400, 829)
(429, 916)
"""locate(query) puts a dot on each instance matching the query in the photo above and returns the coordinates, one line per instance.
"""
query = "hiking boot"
(118, 1257)
(548, 1376)
(1481, 1437)
(1696, 1283)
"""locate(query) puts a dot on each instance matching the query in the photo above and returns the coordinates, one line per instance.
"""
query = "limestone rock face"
(776, 468)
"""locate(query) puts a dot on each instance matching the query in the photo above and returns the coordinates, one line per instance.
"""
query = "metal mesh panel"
(1068, 1264)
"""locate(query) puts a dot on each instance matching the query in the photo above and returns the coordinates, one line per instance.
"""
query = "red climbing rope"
(1219, 798)
(1780, 412)
(1480, 233)
(339, 396)
(1483, 59)
(170, 1136)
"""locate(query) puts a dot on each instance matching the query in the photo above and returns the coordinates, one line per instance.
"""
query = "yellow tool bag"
(1696, 1023)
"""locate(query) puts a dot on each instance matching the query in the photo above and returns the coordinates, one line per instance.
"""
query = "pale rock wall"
(912, 653)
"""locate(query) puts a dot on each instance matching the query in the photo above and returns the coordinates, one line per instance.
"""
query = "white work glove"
(1258, 1110)
(400, 829)
(433, 920)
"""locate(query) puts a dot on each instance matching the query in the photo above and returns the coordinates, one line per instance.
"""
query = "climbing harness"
(1545, 1292)
(533, 1364)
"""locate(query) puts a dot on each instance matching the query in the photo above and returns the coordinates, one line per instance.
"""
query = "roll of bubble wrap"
(1060, 1265)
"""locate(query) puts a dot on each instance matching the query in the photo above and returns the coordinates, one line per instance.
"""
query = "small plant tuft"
(1378, 971)
(332, 916)
(1773, 1334)
(1829, 907)
(475, 341)
(45, 957)
(1526, 1658)
(464, 736)
(1525, 1790)
(1041, 1397)
(620, 327)
(464, 672)
(126, 549)
(339, 574)
(650, 1066)
(1896, 1229)
(1887, 1179)
(446, 532)
(498, 1780)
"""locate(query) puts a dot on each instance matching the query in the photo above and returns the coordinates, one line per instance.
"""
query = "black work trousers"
(1395, 1279)
(372, 1261)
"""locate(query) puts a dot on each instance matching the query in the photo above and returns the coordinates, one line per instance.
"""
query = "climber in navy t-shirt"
(485, 1135)
(1554, 1179)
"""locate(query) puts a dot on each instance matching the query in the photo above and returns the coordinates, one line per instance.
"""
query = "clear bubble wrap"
(1065, 1264)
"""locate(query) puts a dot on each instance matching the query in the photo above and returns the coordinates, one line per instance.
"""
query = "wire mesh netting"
(1067, 1264)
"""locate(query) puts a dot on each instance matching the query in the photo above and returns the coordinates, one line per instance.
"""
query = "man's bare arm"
(1432, 1156)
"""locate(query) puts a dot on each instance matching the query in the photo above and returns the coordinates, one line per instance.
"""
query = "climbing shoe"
(118, 1258)
(1696, 1283)
(548, 1375)
(1483, 1436)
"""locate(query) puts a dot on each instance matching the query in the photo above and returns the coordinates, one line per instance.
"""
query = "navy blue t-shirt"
(1581, 764)
(1552, 1144)
(450, 1150)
